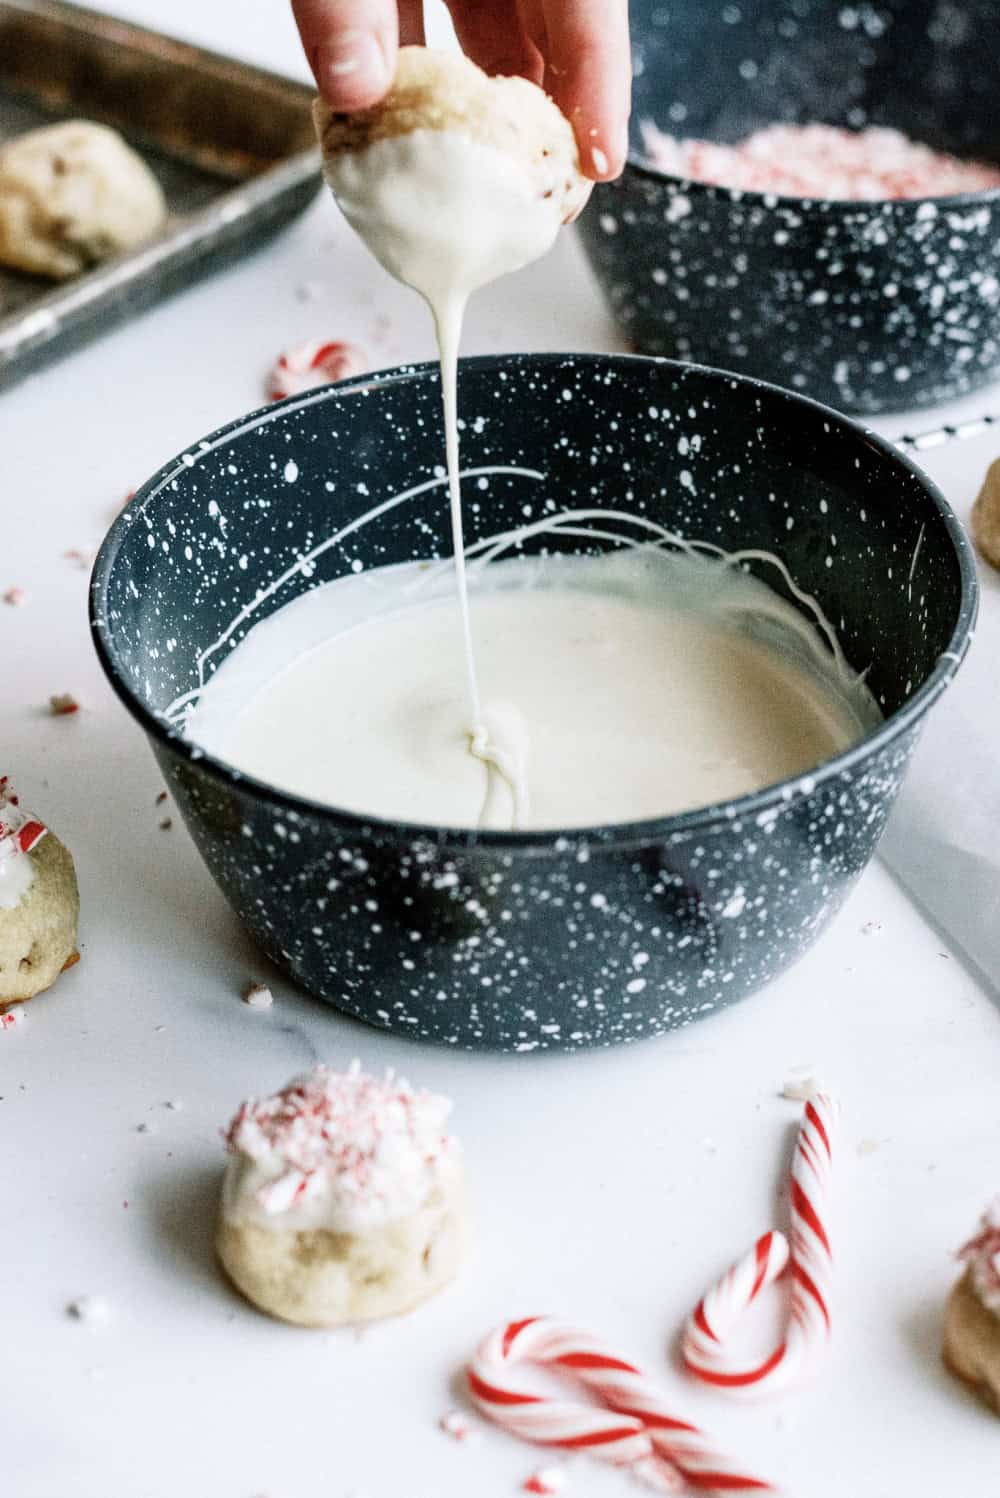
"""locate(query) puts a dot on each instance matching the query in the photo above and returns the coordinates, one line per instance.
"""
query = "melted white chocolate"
(447, 215)
(621, 687)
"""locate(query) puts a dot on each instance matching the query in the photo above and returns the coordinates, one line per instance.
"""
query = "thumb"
(351, 47)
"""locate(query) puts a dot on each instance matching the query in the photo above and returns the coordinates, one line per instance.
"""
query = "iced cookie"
(445, 93)
(71, 195)
(972, 1317)
(39, 903)
(343, 1199)
(986, 516)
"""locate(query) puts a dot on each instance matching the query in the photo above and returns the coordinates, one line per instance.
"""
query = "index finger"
(589, 74)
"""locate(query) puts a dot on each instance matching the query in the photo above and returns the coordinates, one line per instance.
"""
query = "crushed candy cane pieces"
(258, 996)
(314, 364)
(11, 1019)
(821, 162)
(455, 1424)
(16, 597)
(546, 1480)
(61, 704)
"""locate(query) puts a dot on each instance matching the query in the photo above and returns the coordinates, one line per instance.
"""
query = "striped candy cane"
(810, 1259)
(635, 1428)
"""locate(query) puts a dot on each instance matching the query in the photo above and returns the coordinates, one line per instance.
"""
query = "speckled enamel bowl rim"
(771, 201)
(545, 841)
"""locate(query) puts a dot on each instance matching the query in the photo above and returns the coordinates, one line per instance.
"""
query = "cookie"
(972, 1315)
(448, 93)
(71, 195)
(343, 1199)
(986, 517)
(39, 905)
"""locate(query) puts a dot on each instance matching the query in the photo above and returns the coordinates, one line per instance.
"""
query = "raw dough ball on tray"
(71, 195)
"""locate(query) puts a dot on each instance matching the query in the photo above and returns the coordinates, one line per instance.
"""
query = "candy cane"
(313, 364)
(634, 1429)
(810, 1259)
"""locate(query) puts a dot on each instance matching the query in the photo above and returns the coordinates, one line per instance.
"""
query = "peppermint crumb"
(800, 1086)
(454, 1424)
(258, 996)
(161, 798)
(871, 928)
(61, 704)
(81, 556)
(88, 1308)
(15, 597)
(546, 1480)
(166, 823)
(11, 1018)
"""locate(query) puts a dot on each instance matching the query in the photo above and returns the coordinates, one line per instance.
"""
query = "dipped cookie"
(39, 903)
(343, 1199)
(972, 1316)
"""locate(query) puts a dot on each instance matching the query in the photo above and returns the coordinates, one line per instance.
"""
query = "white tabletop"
(609, 1187)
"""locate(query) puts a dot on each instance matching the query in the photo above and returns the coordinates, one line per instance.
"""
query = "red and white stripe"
(313, 364)
(633, 1427)
(808, 1256)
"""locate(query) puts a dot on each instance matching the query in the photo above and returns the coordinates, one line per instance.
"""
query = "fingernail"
(356, 60)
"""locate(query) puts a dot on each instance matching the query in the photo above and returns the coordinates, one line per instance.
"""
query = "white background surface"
(608, 1187)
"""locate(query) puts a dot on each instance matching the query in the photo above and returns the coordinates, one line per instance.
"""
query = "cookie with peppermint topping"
(343, 1199)
(39, 903)
(972, 1317)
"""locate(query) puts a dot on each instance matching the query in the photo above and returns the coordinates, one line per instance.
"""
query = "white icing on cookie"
(342, 1151)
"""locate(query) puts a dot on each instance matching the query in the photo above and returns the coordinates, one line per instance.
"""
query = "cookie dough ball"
(972, 1317)
(445, 91)
(986, 517)
(343, 1199)
(71, 195)
(38, 932)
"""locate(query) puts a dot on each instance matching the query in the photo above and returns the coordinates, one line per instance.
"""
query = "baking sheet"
(231, 145)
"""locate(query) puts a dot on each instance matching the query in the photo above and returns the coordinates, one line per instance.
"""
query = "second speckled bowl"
(523, 941)
(868, 306)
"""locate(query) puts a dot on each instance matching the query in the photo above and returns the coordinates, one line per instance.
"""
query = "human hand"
(578, 50)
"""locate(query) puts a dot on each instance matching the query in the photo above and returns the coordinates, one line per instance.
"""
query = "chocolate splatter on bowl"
(534, 940)
(868, 306)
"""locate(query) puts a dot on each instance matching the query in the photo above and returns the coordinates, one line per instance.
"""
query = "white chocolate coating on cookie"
(341, 1152)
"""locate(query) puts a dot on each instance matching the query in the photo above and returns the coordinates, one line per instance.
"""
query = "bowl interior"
(722, 71)
(273, 505)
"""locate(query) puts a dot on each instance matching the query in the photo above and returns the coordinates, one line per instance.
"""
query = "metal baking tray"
(233, 148)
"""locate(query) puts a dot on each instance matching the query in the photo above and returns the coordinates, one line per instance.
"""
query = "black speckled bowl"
(869, 306)
(533, 940)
